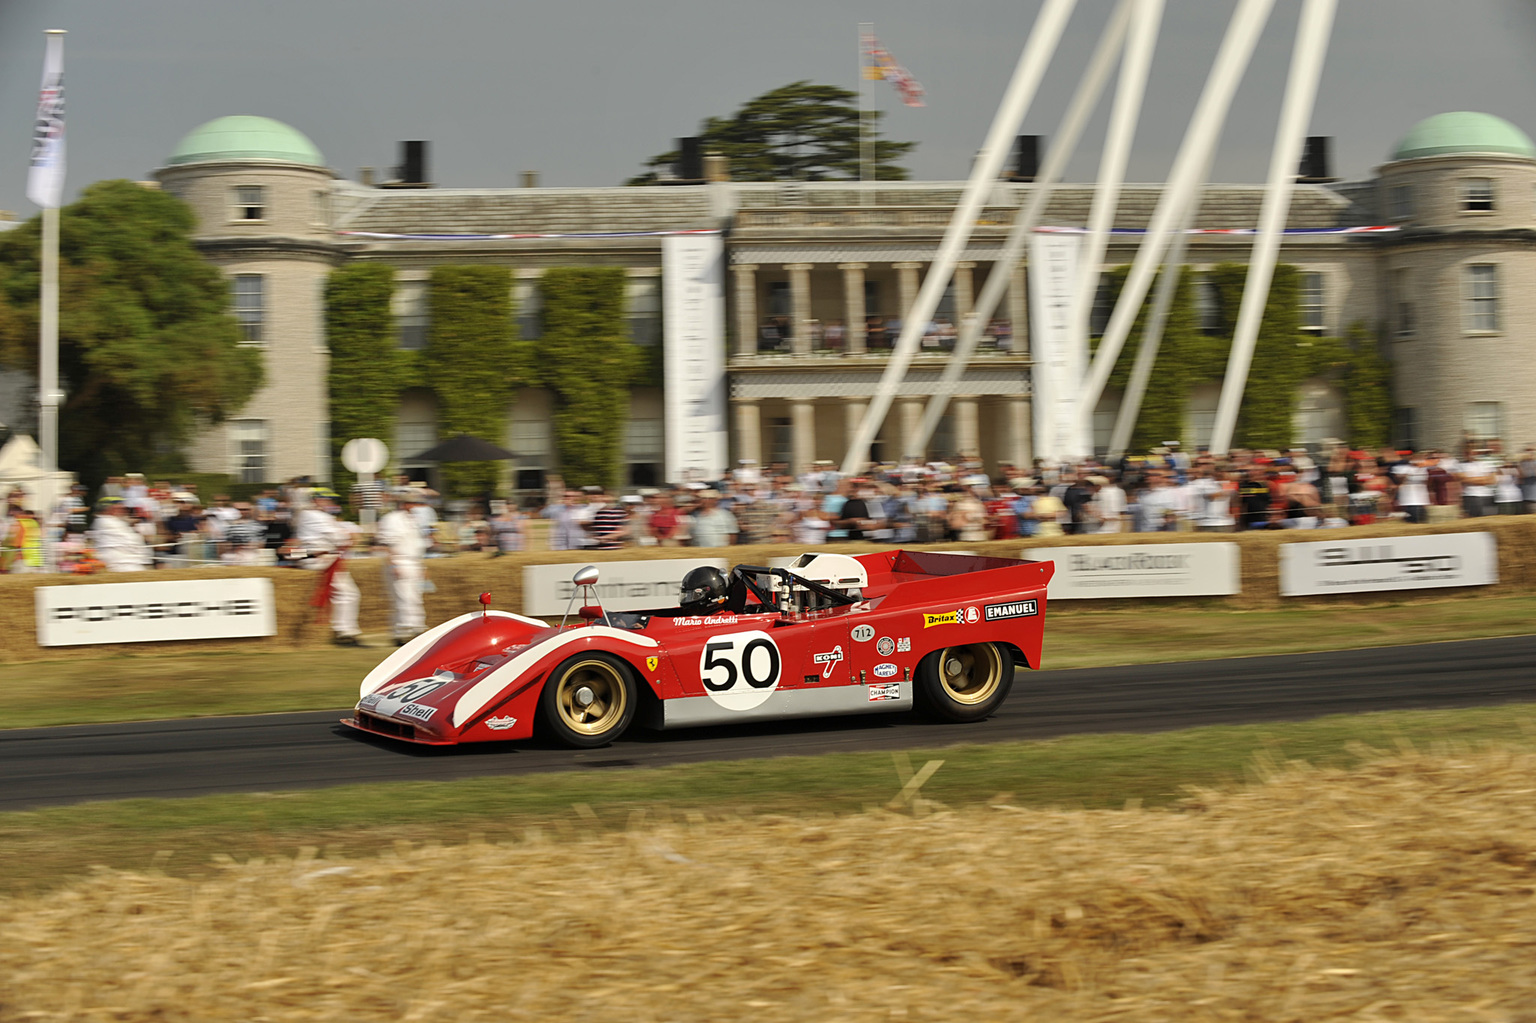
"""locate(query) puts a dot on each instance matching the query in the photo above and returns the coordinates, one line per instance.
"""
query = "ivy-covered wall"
(474, 362)
(1283, 358)
(587, 359)
(366, 361)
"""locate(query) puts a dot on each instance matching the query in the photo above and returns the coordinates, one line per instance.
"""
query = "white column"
(853, 306)
(800, 306)
(853, 415)
(967, 426)
(1019, 452)
(749, 429)
(964, 291)
(906, 288)
(1018, 309)
(802, 427)
(911, 423)
(746, 308)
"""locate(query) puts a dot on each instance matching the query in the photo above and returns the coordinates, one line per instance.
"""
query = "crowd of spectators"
(138, 524)
(1167, 490)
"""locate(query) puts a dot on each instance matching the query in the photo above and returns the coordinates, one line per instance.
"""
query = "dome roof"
(1463, 132)
(243, 137)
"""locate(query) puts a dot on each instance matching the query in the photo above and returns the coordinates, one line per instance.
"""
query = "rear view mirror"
(585, 576)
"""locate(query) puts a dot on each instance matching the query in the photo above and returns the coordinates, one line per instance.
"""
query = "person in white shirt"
(1412, 480)
(117, 544)
(325, 539)
(400, 533)
(1109, 504)
(1477, 482)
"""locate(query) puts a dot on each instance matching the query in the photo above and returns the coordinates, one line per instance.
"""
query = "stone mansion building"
(820, 274)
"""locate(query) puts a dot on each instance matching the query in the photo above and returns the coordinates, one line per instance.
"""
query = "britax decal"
(500, 724)
(885, 670)
(830, 659)
(932, 618)
(1017, 609)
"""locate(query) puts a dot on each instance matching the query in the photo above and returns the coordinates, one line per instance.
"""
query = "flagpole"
(48, 342)
(866, 30)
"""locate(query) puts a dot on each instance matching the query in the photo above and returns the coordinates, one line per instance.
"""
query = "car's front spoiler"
(389, 728)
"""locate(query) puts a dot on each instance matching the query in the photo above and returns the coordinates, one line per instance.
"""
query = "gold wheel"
(592, 697)
(970, 674)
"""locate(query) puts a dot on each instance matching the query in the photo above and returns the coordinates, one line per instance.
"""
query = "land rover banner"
(622, 585)
(1142, 570)
(693, 324)
(1395, 563)
(143, 612)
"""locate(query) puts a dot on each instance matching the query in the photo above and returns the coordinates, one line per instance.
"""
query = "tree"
(147, 346)
(797, 132)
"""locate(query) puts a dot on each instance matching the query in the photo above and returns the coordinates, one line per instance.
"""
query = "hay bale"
(1403, 890)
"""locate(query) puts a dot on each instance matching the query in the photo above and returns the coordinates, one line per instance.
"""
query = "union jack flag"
(878, 64)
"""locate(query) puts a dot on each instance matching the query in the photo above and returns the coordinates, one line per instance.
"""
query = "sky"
(584, 91)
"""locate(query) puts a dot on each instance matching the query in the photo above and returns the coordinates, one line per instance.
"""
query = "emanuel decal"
(886, 646)
(863, 633)
(829, 658)
(884, 691)
(500, 724)
(1017, 609)
(886, 670)
(942, 618)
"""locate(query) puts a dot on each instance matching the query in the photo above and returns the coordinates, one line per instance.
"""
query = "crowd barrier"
(459, 580)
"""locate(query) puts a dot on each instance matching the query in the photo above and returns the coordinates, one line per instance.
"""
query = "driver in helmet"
(704, 590)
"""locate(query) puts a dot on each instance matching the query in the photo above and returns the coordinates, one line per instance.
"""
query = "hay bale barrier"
(460, 580)
(1402, 890)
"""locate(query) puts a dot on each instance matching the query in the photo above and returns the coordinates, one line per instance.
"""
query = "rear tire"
(964, 683)
(589, 700)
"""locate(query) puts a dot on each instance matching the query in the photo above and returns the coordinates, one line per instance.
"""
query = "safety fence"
(1494, 555)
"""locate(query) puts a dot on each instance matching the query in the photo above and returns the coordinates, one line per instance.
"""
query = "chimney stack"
(1314, 168)
(1026, 158)
(530, 179)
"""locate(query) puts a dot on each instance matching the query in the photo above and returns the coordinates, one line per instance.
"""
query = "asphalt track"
(52, 766)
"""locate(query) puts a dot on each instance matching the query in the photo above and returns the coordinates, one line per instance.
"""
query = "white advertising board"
(1142, 570)
(622, 585)
(147, 612)
(693, 349)
(1061, 354)
(1396, 563)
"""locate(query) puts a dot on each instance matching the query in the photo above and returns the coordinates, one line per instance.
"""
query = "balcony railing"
(891, 216)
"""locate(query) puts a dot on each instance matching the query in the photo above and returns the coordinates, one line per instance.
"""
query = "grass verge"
(44, 848)
(149, 685)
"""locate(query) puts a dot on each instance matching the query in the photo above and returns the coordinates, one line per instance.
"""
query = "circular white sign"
(365, 454)
(740, 671)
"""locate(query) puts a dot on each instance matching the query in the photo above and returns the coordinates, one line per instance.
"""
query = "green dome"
(1463, 132)
(246, 138)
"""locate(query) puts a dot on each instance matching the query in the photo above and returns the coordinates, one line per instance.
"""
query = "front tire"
(589, 700)
(964, 683)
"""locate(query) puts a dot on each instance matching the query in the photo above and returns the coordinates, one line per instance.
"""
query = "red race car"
(831, 634)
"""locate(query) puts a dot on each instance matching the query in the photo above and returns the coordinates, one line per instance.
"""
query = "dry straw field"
(1403, 890)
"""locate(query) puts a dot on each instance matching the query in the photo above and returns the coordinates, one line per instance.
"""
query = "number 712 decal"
(740, 671)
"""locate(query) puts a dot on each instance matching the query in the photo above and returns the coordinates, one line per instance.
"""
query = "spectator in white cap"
(325, 539)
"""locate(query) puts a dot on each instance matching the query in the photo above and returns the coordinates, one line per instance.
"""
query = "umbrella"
(464, 448)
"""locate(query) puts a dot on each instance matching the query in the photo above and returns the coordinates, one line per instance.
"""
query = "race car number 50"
(740, 671)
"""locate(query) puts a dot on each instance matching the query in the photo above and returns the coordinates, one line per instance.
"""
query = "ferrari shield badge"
(651, 662)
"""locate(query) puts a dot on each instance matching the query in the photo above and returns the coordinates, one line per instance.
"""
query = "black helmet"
(704, 585)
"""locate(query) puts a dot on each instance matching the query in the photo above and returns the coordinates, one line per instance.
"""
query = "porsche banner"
(144, 612)
(693, 350)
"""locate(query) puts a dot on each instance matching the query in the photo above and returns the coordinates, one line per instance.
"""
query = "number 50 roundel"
(741, 670)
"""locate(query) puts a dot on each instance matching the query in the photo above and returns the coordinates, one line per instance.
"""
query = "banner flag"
(878, 64)
(1061, 358)
(693, 347)
(45, 180)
